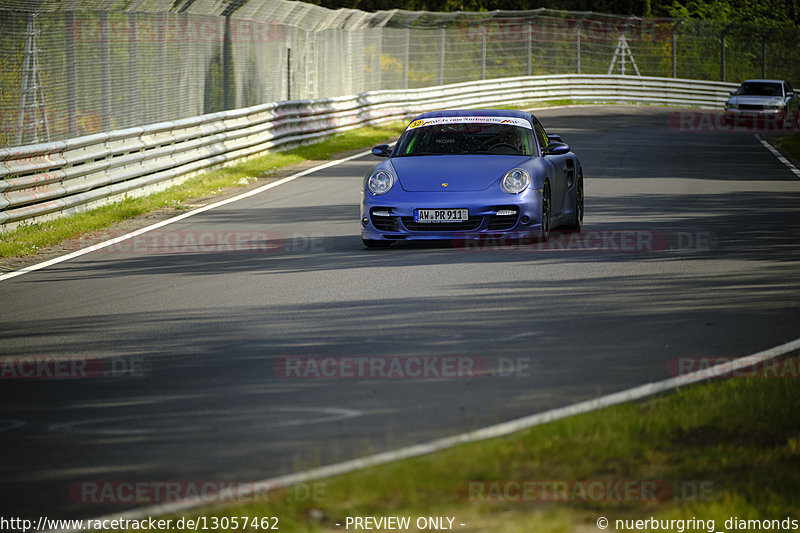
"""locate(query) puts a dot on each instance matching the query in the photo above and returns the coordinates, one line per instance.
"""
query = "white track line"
(777, 154)
(490, 432)
(95, 247)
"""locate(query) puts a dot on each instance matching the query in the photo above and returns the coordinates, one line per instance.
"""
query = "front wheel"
(371, 243)
(577, 223)
(545, 235)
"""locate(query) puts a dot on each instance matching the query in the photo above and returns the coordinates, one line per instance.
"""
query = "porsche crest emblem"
(445, 185)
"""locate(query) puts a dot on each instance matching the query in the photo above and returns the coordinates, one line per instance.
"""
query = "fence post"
(228, 92)
(72, 82)
(483, 51)
(441, 56)
(379, 65)
(577, 49)
(529, 25)
(162, 35)
(674, 44)
(105, 71)
(722, 52)
(133, 69)
(288, 73)
(764, 52)
(407, 58)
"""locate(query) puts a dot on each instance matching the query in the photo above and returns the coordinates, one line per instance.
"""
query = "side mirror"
(382, 150)
(554, 137)
(556, 148)
(733, 93)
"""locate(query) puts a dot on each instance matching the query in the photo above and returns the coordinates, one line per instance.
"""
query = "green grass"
(736, 443)
(30, 238)
(790, 143)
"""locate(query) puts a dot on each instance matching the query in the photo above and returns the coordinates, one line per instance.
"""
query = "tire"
(577, 223)
(546, 209)
(370, 243)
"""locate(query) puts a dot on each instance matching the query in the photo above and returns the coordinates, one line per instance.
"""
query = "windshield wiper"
(489, 152)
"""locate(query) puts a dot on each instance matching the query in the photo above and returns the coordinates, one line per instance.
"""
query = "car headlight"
(515, 181)
(380, 182)
(777, 107)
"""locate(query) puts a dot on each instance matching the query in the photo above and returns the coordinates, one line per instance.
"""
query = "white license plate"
(441, 215)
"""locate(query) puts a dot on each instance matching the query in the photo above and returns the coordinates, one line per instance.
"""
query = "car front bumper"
(755, 113)
(391, 216)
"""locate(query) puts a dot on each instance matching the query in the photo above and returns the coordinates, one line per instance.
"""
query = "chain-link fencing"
(75, 67)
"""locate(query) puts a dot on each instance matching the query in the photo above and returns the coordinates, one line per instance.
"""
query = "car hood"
(753, 99)
(459, 172)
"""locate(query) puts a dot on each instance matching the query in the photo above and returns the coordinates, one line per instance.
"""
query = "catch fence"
(71, 68)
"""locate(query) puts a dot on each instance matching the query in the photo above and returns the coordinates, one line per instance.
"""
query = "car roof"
(476, 113)
(763, 81)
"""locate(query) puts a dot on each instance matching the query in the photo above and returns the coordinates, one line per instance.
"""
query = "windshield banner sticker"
(436, 121)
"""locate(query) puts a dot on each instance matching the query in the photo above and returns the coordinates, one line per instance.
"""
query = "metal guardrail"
(48, 180)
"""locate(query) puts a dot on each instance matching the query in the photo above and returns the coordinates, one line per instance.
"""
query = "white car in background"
(767, 99)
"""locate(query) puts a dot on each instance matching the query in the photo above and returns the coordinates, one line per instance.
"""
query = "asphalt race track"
(690, 250)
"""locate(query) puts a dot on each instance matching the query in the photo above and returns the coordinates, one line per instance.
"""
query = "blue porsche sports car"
(471, 174)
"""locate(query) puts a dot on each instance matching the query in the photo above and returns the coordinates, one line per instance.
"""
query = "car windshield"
(466, 139)
(760, 89)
